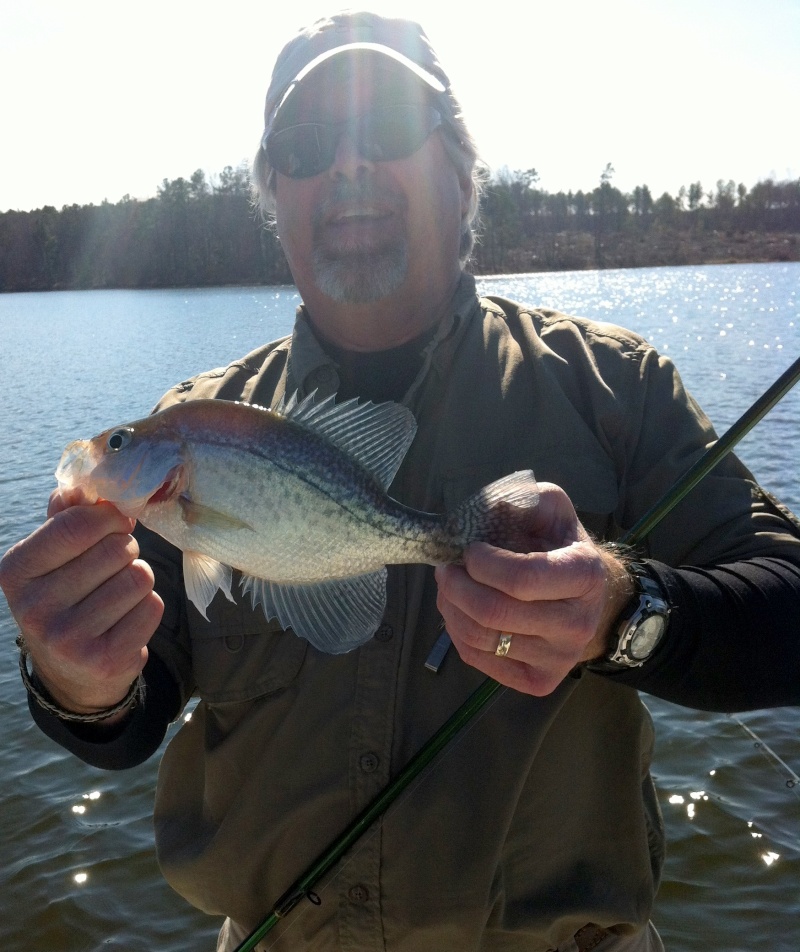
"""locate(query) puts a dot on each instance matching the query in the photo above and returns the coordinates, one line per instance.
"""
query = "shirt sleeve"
(128, 743)
(733, 641)
(727, 557)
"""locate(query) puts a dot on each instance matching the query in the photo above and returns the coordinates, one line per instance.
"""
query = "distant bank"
(196, 234)
(580, 251)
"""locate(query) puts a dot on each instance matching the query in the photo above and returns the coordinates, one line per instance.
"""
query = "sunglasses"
(380, 135)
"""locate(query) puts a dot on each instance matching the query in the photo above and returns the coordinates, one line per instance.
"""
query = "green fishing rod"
(303, 887)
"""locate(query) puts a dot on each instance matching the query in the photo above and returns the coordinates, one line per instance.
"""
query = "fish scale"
(304, 532)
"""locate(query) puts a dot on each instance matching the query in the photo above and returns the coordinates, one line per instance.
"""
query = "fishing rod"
(303, 887)
(793, 779)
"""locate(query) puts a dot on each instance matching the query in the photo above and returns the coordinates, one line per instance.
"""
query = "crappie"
(295, 499)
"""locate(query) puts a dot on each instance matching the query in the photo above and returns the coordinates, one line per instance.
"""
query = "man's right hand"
(84, 602)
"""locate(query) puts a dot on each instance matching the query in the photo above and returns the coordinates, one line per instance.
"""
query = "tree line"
(192, 233)
(527, 228)
(200, 232)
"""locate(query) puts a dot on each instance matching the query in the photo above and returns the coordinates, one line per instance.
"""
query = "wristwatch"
(639, 629)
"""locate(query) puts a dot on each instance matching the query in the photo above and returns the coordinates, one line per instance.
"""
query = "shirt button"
(384, 633)
(358, 894)
(368, 762)
(325, 376)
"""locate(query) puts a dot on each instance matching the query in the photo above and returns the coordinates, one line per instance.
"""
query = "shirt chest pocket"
(237, 655)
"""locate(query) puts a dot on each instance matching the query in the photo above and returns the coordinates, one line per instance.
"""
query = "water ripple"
(731, 330)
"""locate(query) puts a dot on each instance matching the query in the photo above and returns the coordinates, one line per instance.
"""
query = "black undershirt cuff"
(128, 743)
(733, 642)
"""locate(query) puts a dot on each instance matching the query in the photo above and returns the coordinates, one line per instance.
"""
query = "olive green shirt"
(542, 816)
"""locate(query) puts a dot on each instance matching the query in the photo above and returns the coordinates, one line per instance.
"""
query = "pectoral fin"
(195, 514)
(335, 616)
(203, 577)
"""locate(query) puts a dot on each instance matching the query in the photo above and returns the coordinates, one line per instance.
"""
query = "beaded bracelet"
(134, 696)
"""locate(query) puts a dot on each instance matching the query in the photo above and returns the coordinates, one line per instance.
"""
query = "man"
(540, 829)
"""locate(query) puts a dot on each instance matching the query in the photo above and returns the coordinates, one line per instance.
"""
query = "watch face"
(639, 630)
(646, 637)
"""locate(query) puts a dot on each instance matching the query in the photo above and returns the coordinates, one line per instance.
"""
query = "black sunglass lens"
(302, 151)
(393, 132)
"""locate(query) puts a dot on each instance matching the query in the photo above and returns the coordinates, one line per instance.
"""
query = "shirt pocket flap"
(238, 655)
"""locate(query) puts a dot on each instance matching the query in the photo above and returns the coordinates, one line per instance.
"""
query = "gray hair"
(459, 145)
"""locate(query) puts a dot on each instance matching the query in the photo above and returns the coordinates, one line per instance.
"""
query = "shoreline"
(566, 251)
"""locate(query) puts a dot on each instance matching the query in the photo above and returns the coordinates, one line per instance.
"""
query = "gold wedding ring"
(503, 645)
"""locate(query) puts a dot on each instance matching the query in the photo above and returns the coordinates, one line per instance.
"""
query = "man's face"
(363, 230)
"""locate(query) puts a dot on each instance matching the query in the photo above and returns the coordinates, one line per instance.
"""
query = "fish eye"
(119, 439)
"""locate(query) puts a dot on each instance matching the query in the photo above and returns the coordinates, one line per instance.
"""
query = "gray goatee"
(358, 276)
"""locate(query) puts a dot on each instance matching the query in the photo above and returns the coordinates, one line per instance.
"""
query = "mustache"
(345, 192)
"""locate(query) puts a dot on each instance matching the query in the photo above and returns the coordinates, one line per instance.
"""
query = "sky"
(102, 99)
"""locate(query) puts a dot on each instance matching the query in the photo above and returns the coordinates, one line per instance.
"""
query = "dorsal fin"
(377, 435)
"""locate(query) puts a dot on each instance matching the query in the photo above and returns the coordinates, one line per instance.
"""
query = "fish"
(295, 500)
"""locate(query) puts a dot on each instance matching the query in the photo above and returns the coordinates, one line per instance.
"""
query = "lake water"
(78, 872)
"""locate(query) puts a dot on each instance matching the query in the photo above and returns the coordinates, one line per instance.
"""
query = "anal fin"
(336, 615)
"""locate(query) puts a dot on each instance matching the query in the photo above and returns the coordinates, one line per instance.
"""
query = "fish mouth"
(76, 462)
(168, 488)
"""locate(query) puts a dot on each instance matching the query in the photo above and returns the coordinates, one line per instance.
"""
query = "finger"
(542, 642)
(575, 571)
(71, 633)
(61, 499)
(461, 597)
(538, 681)
(556, 519)
(103, 608)
(62, 538)
(60, 590)
(86, 673)
(558, 630)
(121, 653)
(492, 608)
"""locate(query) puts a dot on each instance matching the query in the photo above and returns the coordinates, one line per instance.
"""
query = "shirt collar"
(311, 369)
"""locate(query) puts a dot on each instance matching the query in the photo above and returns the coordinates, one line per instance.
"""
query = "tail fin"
(500, 513)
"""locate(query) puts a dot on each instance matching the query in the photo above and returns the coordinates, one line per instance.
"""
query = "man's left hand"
(557, 603)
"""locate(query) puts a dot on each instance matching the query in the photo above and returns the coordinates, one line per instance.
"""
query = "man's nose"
(348, 161)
